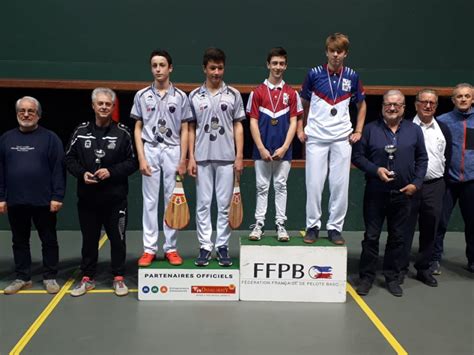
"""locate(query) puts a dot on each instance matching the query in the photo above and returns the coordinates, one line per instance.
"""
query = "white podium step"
(293, 271)
(162, 281)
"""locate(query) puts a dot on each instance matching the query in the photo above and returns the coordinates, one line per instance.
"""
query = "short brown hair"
(338, 41)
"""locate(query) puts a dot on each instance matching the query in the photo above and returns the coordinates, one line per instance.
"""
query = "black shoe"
(427, 278)
(470, 267)
(311, 235)
(394, 288)
(364, 287)
(335, 237)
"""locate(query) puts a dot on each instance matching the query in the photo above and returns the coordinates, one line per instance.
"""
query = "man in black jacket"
(32, 186)
(101, 156)
(428, 201)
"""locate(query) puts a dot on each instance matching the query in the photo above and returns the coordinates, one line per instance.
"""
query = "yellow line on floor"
(29, 292)
(18, 348)
(373, 318)
(133, 290)
(376, 321)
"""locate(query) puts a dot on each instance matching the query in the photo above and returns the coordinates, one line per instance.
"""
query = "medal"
(334, 96)
(274, 121)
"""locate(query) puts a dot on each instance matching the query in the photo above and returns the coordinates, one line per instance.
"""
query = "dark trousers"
(426, 209)
(114, 219)
(464, 192)
(20, 218)
(378, 205)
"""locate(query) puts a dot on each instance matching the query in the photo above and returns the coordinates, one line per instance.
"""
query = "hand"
(409, 190)
(239, 165)
(265, 154)
(55, 206)
(302, 136)
(89, 178)
(3, 207)
(192, 168)
(144, 168)
(279, 153)
(182, 168)
(384, 175)
(102, 174)
(355, 137)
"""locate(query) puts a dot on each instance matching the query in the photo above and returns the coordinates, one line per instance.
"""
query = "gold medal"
(274, 121)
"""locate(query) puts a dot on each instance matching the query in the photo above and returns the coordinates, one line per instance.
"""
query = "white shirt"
(435, 146)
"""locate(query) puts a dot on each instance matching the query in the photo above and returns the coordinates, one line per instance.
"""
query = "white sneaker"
(282, 234)
(257, 231)
(16, 286)
(82, 287)
(51, 286)
(119, 286)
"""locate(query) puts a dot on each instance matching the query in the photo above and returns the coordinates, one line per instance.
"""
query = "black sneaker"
(223, 256)
(311, 235)
(335, 237)
(427, 278)
(203, 258)
(364, 287)
(394, 288)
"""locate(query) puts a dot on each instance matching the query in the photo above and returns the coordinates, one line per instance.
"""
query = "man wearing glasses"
(392, 154)
(428, 201)
(460, 184)
(32, 185)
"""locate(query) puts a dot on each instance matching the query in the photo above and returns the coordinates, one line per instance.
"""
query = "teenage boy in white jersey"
(273, 107)
(162, 113)
(215, 151)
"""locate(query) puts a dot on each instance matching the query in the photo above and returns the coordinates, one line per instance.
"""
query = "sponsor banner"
(293, 273)
(188, 284)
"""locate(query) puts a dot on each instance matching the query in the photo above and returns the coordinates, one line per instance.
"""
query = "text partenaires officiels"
(188, 276)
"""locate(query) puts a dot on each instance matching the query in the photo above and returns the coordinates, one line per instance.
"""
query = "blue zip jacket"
(461, 126)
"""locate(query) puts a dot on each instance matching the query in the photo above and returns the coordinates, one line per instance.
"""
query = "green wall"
(67, 218)
(393, 42)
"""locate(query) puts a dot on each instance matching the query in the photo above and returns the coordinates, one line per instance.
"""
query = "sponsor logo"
(320, 272)
(22, 148)
(279, 271)
(346, 85)
(230, 289)
(286, 98)
(145, 289)
(164, 289)
(155, 289)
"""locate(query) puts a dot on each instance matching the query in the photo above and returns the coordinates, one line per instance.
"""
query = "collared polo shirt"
(162, 116)
(215, 115)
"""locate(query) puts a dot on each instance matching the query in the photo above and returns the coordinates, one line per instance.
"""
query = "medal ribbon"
(271, 101)
(334, 97)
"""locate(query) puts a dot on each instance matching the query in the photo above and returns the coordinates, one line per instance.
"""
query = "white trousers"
(321, 157)
(161, 159)
(264, 171)
(221, 177)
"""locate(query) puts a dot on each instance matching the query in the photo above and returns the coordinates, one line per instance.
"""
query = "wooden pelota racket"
(177, 212)
(236, 211)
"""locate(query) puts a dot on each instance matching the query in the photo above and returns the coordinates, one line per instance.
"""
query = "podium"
(292, 271)
(162, 281)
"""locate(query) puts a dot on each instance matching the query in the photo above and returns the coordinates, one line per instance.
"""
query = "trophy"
(99, 154)
(390, 149)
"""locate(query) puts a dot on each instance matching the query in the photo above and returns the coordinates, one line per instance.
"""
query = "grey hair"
(393, 92)
(105, 91)
(460, 86)
(426, 91)
(39, 111)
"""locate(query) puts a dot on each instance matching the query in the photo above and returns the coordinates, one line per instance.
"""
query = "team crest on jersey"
(286, 98)
(172, 109)
(87, 144)
(111, 145)
(346, 85)
(223, 107)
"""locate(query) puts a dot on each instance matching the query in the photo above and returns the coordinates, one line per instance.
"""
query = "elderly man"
(32, 185)
(460, 186)
(428, 201)
(393, 156)
(101, 156)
